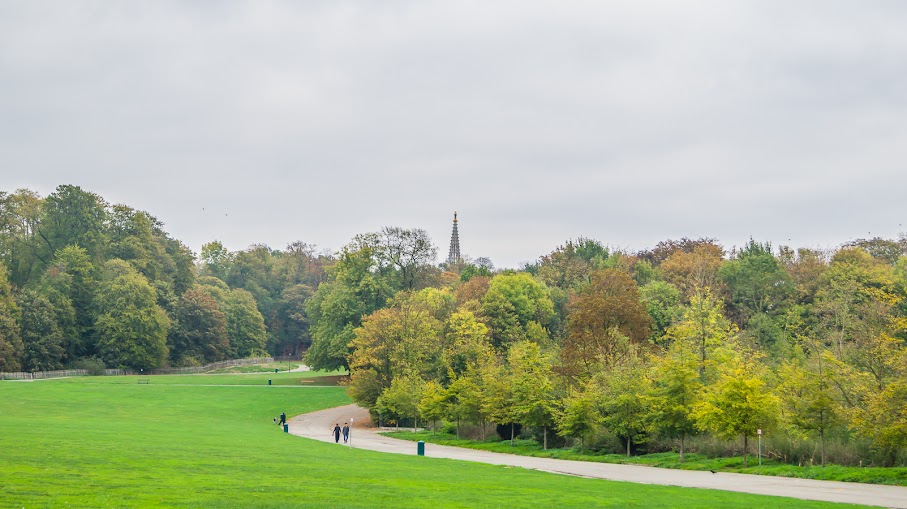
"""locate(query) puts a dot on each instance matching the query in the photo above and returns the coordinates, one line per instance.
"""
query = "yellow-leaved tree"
(739, 402)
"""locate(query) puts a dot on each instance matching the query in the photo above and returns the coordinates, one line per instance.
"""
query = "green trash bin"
(275, 370)
(269, 381)
(286, 428)
(420, 448)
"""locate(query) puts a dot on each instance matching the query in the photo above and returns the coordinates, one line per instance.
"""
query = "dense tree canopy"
(131, 327)
(658, 349)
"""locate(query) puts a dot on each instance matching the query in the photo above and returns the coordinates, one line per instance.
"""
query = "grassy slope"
(875, 475)
(259, 368)
(202, 441)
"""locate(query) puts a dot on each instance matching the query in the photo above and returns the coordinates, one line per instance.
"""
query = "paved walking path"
(318, 426)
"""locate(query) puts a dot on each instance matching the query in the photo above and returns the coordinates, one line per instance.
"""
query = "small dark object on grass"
(712, 471)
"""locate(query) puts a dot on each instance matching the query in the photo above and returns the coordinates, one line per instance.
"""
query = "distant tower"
(453, 257)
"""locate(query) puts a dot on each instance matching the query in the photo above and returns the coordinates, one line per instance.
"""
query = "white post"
(759, 432)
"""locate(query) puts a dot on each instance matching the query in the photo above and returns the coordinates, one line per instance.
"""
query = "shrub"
(503, 430)
(93, 365)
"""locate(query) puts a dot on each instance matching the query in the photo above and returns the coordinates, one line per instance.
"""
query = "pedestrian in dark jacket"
(346, 432)
(337, 433)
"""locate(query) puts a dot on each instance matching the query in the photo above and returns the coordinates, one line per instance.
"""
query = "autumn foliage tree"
(604, 310)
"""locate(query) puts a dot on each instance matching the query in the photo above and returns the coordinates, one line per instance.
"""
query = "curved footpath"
(318, 426)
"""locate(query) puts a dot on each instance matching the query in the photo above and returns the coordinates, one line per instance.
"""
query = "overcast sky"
(629, 122)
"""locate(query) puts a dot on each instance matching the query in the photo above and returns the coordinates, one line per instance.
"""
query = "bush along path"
(318, 426)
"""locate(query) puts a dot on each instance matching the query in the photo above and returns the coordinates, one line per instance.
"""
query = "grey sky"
(630, 122)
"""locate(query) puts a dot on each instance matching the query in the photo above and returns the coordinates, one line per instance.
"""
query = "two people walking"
(338, 431)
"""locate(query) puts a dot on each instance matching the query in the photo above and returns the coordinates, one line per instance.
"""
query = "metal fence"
(209, 367)
(38, 375)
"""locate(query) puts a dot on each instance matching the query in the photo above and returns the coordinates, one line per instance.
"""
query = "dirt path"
(318, 426)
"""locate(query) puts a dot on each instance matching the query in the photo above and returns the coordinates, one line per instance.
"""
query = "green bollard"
(420, 448)
(275, 370)
(269, 381)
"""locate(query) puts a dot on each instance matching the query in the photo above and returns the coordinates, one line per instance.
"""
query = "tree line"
(646, 350)
(587, 344)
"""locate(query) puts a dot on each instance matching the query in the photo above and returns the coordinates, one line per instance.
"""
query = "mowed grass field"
(209, 441)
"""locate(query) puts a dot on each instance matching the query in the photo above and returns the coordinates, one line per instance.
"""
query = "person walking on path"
(346, 432)
(283, 418)
(337, 433)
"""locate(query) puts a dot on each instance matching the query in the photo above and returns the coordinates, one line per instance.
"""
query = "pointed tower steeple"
(453, 256)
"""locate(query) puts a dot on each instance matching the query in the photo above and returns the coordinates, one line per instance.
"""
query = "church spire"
(453, 257)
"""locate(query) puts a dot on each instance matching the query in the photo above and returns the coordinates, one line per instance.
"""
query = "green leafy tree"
(178, 261)
(738, 403)
(299, 264)
(673, 393)
(579, 415)
(22, 249)
(42, 337)
(401, 399)
(662, 301)
(294, 321)
(391, 342)
(645, 273)
(703, 329)
(856, 296)
(245, 325)
(884, 419)
(216, 260)
(10, 337)
(465, 399)
(131, 327)
(75, 278)
(759, 292)
(882, 415)
(355, 290)
(200, 332)
(806, 268)
(433, 405)
(471, 270)
(532, 387)
(498, 399)
(622, 400)
(565, 267)
(512, 302)
(73, 217)
(130, 238)
(808, 396)
(467, 342)
(756, 281)
(884, 250)
(409, 252)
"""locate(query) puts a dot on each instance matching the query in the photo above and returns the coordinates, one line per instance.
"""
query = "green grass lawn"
(283, 378)
(259, 368)
(872, 475)
(209, 441)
